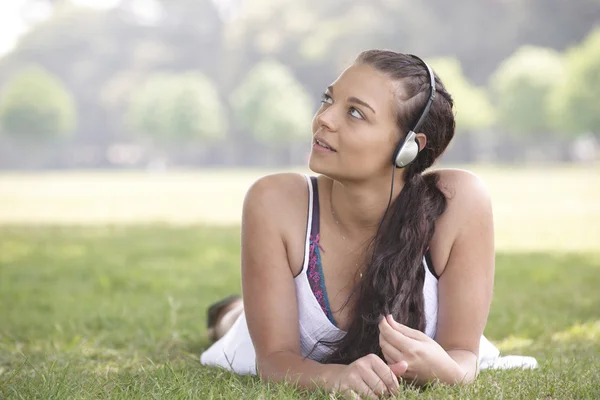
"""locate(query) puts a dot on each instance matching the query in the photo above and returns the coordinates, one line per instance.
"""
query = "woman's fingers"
(357, 388)
(385, 375)
(367, 369)
(405, 330)
(390, 352)
(399, 369)
(371, 376)
(394, 337)
(374, 382)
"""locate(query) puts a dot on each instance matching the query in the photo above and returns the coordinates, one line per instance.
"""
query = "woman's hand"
(413, 355)
(368, 376)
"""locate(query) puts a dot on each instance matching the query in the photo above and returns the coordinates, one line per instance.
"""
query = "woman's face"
(357, 120)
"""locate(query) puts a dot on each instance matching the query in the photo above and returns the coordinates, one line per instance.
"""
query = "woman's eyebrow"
(362, 103)
(354, 100)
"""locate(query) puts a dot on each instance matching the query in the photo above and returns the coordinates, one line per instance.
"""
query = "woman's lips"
(318, 147)
(323, 144)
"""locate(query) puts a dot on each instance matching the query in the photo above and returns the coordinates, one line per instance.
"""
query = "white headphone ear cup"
(408, 152)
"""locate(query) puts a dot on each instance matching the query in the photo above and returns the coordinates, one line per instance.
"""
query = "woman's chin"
(327, 166)
(316, 165)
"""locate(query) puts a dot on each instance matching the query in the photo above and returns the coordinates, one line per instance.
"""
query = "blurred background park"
(130, 131)
(158, 84)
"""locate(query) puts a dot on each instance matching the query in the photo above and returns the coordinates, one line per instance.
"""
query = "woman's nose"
(327, 118)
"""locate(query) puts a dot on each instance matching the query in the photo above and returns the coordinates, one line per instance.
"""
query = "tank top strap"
(314, 224)
(312, 220)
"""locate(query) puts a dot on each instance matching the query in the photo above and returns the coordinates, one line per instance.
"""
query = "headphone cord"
(385, 213)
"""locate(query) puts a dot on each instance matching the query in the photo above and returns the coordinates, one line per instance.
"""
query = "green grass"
(105, 278)
(119, 312)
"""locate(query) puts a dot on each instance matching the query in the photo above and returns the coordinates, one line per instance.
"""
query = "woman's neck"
(358, 207)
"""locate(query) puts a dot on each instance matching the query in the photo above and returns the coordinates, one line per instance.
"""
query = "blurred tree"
(85, 48)
(146, 57)
(521, 87)
(178, 108)
(36, 105)
(95, 51)
(272, 106)
(481, 34)
(102, 55)
(316, 39)
(473, 109)
(574, 103)
(194, 28)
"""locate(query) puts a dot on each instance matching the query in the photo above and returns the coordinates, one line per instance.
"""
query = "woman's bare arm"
(268, 284)
(466, 284)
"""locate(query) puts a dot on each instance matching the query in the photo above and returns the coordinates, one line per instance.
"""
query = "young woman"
(374, 269)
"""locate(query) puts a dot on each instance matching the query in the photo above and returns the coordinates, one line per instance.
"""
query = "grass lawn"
(113, 310)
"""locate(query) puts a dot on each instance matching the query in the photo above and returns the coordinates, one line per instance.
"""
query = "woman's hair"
(393, 280)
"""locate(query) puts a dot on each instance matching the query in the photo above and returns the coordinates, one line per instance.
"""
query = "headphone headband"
(427, 106)
(408, 149)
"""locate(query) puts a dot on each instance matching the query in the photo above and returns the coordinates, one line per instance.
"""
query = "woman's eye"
(325, 98)
(355, 113)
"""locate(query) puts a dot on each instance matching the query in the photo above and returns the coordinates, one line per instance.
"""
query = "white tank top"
(235, 351)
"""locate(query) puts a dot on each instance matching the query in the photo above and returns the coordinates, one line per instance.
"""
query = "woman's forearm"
(449, 368)
(285, 366)
(459, 367)
(468, 365)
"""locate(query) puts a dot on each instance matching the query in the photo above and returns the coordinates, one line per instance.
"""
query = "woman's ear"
(422, 139)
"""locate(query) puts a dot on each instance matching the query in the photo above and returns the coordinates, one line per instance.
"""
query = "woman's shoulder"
(278, 195)
(276, 206)
(278, 186)
(461, 187)
(467, 197)
(468, 208)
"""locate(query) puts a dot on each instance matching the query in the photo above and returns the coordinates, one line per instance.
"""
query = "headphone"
(408, 148)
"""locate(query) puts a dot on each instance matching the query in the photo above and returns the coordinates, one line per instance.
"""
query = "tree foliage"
(272, 105)
(521, 87)
(170, 107)
(575, 102)
(101, 54)
(472, 105)
(35, 105)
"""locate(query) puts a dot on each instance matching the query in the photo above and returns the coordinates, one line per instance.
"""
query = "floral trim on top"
(316, 279)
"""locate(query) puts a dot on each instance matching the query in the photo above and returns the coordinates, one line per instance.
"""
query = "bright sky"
(12, 24)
